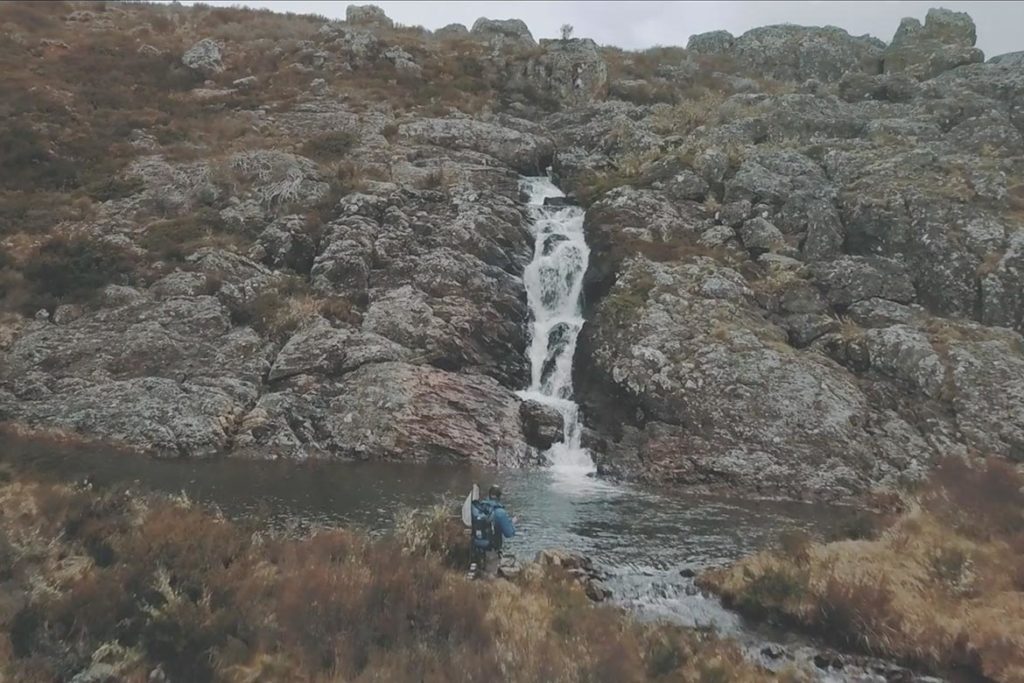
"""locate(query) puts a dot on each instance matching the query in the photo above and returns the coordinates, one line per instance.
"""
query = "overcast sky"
(636, 25)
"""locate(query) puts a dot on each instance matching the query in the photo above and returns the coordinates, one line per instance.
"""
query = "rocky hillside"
(229, 231)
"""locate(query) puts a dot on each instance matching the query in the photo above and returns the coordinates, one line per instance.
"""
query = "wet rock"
(204, 57)
(579, 568)
(826, 660)
(542, 424)
(687, 573)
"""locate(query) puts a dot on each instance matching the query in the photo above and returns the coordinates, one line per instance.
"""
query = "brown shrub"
(204, 599)
(939, 588)
(983, 500)
(174, 239)
(859, 612)
(330, 145)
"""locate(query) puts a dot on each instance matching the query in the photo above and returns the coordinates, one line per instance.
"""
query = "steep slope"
(229, 231)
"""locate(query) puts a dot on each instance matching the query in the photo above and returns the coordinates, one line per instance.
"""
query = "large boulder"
(567, 71)
(204, 57)
(367, 15)
(502, 33)
(542, 424)
(944, 42)
(721, 397)
(406, 412)
(322, 349)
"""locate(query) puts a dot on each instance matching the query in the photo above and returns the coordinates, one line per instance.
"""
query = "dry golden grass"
(146, 583)
(943, 587)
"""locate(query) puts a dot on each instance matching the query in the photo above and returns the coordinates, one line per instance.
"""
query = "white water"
(554, 283)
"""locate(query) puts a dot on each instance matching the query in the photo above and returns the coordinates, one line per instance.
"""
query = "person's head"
(494, 493)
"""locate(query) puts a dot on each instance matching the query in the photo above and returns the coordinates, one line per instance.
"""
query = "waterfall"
(554, 283)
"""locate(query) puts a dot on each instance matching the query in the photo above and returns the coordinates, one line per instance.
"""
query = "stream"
(643, 538)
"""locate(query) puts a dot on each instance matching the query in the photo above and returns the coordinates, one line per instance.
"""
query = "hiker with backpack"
(491, 525)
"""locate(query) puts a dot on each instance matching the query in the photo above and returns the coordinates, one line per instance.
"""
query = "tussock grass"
(942, 587)
(141, 583)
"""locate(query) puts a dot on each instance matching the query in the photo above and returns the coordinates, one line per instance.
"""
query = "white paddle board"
(467, 506)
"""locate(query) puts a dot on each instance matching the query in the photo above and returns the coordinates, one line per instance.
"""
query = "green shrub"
(331, 145)
(73, 269)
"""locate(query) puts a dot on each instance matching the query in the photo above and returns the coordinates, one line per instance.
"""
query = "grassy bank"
(942, 587)
(121, 585)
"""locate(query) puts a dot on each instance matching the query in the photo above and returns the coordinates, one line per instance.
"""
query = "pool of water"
(643, 538)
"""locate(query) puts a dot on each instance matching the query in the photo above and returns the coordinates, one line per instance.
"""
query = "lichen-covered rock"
(503, 32)
(321, 349)
(168, 376)
(567, 71)
(723, 397)
(711, 42)
(907, 354)
(367, 15)
(988, 385)
(760, 235)
(850, 279)
(286, 243)
(204, 57)
(794, 53)
(529, 154)
(945, 41)
(408, 412)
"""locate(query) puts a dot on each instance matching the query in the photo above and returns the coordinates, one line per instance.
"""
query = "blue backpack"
(483, 523)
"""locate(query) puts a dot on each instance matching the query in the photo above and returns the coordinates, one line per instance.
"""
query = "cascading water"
(554, 283)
